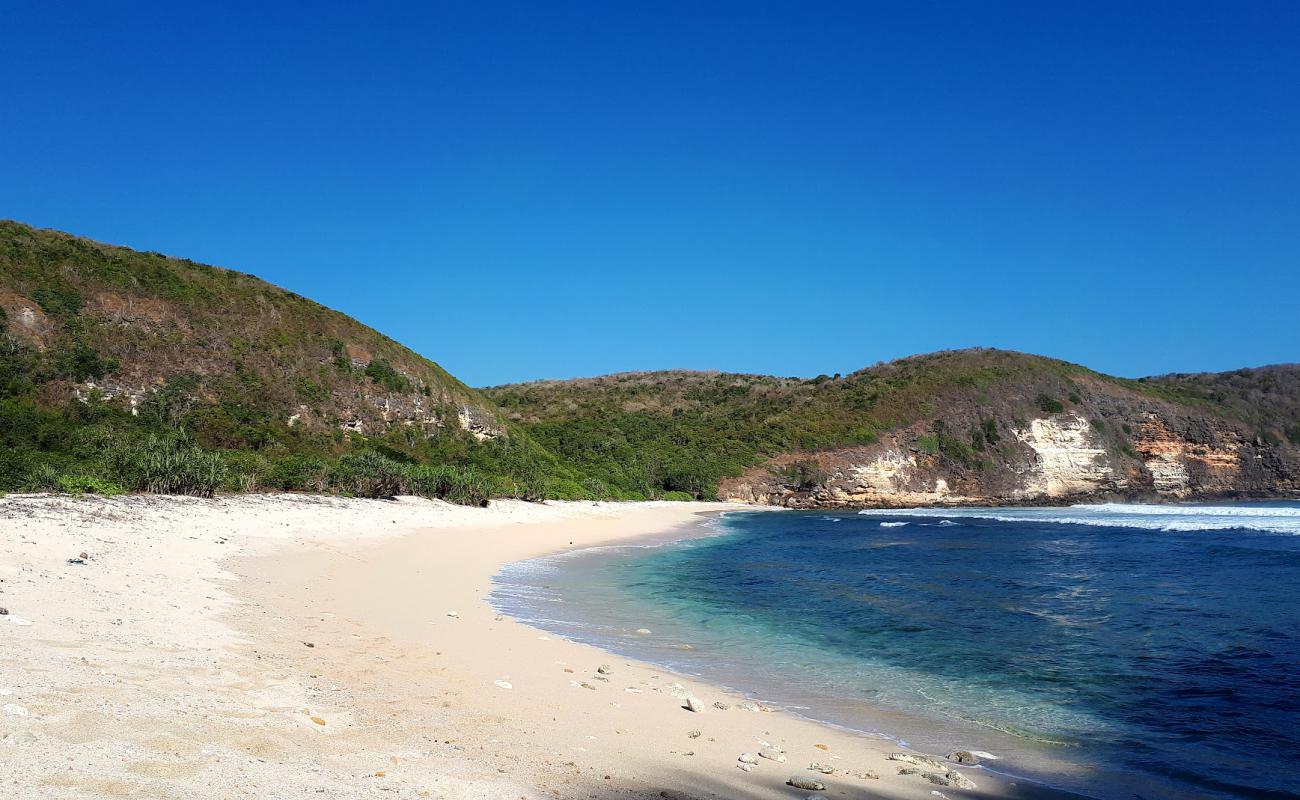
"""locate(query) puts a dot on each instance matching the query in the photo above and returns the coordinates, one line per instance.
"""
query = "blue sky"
(528, 190)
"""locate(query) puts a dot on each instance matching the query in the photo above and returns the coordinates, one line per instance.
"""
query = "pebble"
(604, 669)
(308, 644)
(772, 754)
(721, 706)
(800, 782)
(824, 769)
(748, 758)
(693, 734)
(504, 684)
(4, 612)
(586, 685)
(453, 614)
(76, 560)
(745, 767)
(16, 710)
(693, 704)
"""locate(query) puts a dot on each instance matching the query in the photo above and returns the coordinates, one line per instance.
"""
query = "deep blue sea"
(1117, 651)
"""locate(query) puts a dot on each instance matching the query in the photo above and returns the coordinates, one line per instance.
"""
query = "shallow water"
(1116, 650)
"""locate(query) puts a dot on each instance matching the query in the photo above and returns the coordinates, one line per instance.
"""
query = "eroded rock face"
(1068, 459)
(1052, 458)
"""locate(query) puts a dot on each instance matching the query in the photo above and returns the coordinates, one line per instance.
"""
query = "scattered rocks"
(721, 706)
(604, 669)
(825, 769)
(800, 782)
(866, 774)
(749, 705)
(772, 754)
(964, 757)
(920, 761)
(693, 704)
(748, 758)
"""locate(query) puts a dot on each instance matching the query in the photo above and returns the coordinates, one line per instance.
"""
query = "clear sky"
(543, 189)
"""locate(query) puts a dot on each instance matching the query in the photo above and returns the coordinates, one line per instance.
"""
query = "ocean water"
(1116, 651)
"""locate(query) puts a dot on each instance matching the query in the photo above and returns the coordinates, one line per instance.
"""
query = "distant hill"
(970, 426)
(103, 347)
(130, 371)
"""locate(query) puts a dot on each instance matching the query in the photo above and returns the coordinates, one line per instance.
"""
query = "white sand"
(175, 662)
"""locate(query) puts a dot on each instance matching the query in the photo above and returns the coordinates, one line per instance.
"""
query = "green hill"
(112, 360)
(975, 423)
(122, 370)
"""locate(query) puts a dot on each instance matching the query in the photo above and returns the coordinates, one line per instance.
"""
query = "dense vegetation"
(683, 431)
(129, 371)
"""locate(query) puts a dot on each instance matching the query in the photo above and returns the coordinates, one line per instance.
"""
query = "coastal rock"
(772, 754)
(746, 767)
(951, 778)
(748, 705)
(4, 612)
(721, 706)
(800, 782)
(825, 769)
(866, 774)
(921, 761)
(693, 734)
(964, 757)
(693, 704)
(748, 758)
(604, 669)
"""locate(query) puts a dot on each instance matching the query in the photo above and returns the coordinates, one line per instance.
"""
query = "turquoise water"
(1115, 651)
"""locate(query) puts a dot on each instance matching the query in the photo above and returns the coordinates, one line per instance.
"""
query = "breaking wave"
(1267, 517)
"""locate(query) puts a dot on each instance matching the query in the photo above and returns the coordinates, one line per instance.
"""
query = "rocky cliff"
(962, 427)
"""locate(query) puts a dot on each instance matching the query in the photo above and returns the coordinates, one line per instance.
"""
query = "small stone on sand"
(800, 782)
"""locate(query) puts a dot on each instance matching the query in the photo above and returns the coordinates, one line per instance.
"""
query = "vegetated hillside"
(117, 366)
(971, 426)
(1266, 397)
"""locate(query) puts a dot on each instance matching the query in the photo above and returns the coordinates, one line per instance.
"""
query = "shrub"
(368, 474)
(453, 484)
(172, 466)
(382, 373)
(85, 484)
(1050, 404)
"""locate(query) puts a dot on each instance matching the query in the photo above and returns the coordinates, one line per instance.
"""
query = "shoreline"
(275, 646)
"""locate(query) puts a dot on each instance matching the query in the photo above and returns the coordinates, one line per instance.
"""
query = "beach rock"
(76, 560)
(693, 734)
(604, 669)
(951, 778)
(498, 618)
(4, 612)
(586, 685)
(964, 757)
(921, 761)
(721, 706)
(746, 767)
(772, 754)
(748, 758)
(504, 684)
(749, 705)
(693, 704)
(453, 614)
(83, 555)
(308, 644)
(865, 774)
(825, 769)
(800, 782)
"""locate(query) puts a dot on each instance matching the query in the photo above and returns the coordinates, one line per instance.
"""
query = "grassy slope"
(684, 431)
(224, 357)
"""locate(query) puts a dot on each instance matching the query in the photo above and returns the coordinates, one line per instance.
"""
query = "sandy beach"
(285, 646)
